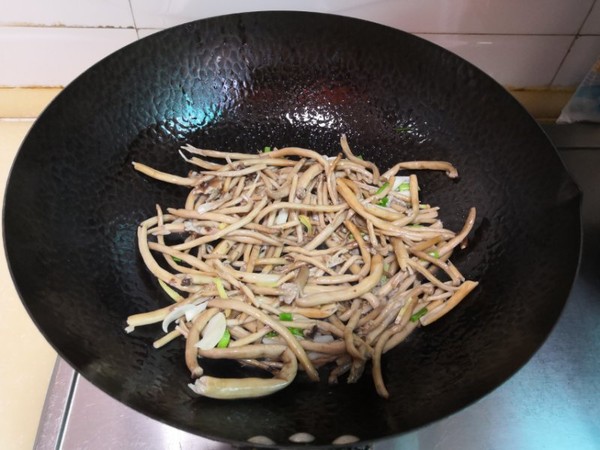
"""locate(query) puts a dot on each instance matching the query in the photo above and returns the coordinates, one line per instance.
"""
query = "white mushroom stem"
(292, 342)
(248, 351)
(348, 293)
(162, 176)
(191, 351)
(252, 387)
(462, 235)
(445, 307)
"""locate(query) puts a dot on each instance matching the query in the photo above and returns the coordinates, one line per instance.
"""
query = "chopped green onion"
(382, 188)
(296, 331)
(266, 149)
(360, 157)
(386, 267)
(170, 292)
(434, 254)
(224, 342)
(304, 220)
(176, 259)
(415, 225)
(420, 313)
(383, 279)
(384, 201)
(403, 187)
(287, 317)
(220, 288)
(402, 129)
(424, 206)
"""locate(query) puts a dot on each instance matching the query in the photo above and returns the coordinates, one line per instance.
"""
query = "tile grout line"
(61, 26)
(575, 37)
(137, 33)
(433, 33)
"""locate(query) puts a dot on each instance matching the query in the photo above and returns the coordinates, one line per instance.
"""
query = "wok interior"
(247, 81)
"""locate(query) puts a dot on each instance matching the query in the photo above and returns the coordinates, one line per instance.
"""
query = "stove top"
(553, 402)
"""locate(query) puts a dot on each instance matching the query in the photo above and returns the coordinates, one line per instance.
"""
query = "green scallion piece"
(304, 220)
(403, 187)
(402, 129)
(296, 331)
(382, 188)
(224, 341)
(176, 259)
(420, 313)
(266, 149)
(360, 157)
(170, 292)
(287, 317)
(271, 334)
(434, 254)
(220, 288)
(384, 201)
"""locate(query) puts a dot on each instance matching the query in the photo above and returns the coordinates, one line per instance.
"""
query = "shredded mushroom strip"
(288, 260)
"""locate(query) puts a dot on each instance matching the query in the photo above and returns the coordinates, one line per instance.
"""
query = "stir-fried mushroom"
(289, 260)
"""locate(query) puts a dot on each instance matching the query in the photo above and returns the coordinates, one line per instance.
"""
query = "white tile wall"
(416, 16)
(54, 56)
(143, 32)
(512, 60)
(592, 24)
(162, 14)
(475, 16)
(80, 13)
(579, 60)
(519, 43)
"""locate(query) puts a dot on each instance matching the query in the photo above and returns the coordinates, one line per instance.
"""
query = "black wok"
(242, 82)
